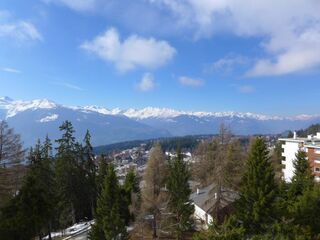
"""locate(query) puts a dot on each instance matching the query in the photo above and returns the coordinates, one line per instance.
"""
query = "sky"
(193, 55)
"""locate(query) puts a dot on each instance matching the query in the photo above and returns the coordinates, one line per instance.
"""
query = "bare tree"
(219, 163)
(153, 189)
(11, 154)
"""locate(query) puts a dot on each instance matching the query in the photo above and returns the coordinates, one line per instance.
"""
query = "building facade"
(290, 146)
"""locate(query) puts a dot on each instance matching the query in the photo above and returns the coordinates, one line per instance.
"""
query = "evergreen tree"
(276, 160)
(131, 183)
(48, 181)
(90, 169)
(102, 171)
(258, 190)
(302, 179)
(226, 231)
(109, 224)
(305, 211)
(179, 191)
(131, 190)
(34, 204)
(66, 172)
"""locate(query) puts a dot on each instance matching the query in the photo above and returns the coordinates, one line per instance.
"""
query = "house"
(290, 146)
(204, 201)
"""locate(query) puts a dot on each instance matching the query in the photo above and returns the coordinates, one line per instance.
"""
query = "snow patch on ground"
(76, 228)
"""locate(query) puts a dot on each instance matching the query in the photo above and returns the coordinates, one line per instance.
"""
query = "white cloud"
(228, 63)
(302, 54)
(289, 28)
(132, 52)
(17, 29)
(192, 82)
(68, 85)
(10, 70)
(246, 89)
(147, 83)
(78, 5)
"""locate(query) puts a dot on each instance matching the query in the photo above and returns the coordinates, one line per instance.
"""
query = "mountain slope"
(34, 119)
(37, 118)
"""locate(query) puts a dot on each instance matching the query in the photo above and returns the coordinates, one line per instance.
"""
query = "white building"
(290, 146)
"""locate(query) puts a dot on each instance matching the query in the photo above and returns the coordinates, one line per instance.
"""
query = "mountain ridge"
(36, 118)
(15, 106)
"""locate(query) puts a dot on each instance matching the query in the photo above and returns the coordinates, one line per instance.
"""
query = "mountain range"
(36, 118)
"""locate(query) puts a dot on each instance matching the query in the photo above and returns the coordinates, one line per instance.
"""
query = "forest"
(62, 185)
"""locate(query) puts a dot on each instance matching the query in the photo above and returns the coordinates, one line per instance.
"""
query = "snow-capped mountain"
(34, 119)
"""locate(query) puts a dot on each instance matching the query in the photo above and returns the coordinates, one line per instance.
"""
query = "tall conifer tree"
(90, 170)
(109, 224)
(258, 190)
(66, 174)
(179, 191)
(302, 179)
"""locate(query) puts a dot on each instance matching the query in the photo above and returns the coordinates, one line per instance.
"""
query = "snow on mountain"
(49, 118)
(14, 107)
(95, 109)
(151, 112)
(34, 119)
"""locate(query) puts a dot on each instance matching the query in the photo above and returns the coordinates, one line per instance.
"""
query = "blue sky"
(197, 55)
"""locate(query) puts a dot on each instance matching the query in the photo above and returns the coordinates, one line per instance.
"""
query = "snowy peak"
(95, 109)
(6, 99)
(5, 102)
(163, 113)
(101, 110)
(14, 107)
(151, 112)
(37, 118)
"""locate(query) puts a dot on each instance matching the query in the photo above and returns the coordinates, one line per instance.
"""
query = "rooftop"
(204, 198)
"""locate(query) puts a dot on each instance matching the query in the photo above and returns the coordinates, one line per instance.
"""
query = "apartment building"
(290, 146)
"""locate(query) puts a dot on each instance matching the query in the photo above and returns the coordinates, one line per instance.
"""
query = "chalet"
(204, 201)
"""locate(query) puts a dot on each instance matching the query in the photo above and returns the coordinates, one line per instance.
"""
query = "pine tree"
(102, 171)
(276, 159)
(226, 231)
(179, 191)
(258, 190)
(305, 210)
(48, 181)
(66, 174)
(90, 170)
(35, 202)
(131, 190)
(109, 224)
(302, 179)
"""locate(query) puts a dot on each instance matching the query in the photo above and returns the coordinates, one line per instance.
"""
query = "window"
(317, 169)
